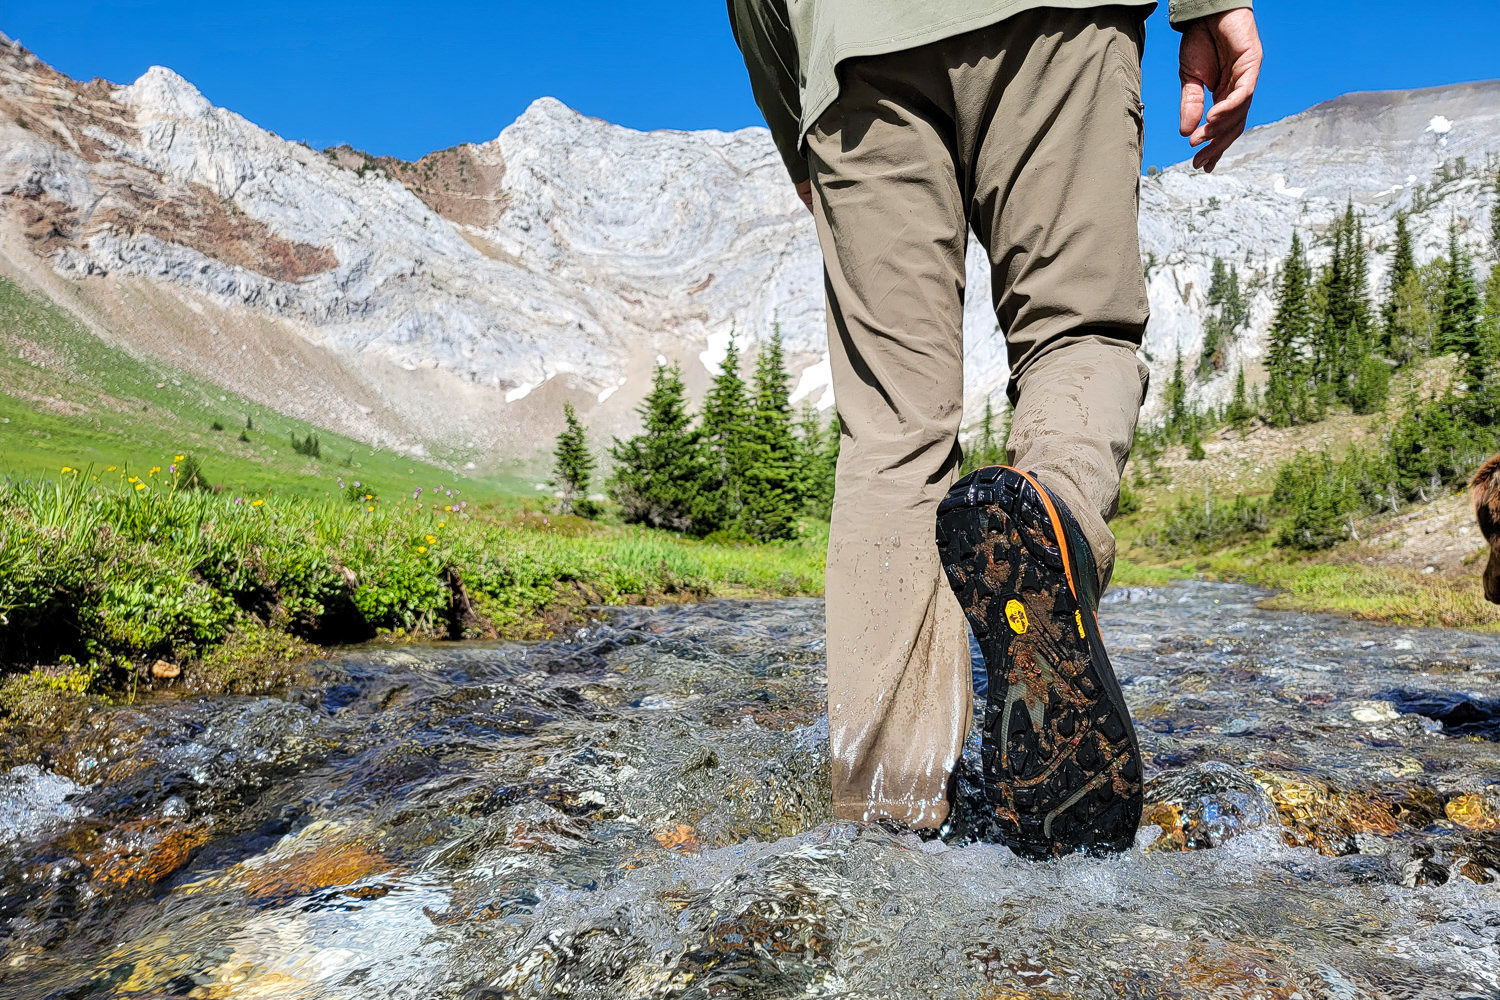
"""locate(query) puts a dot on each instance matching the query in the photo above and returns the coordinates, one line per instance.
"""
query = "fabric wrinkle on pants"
(1028, 132)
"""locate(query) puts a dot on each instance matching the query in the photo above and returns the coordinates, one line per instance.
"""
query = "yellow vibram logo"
(1015, 613)
(1078, 617)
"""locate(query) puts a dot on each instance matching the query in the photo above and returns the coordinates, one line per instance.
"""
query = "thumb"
(1193, 91)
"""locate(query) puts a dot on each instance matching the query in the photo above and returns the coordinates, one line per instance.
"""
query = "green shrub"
(1209, 523)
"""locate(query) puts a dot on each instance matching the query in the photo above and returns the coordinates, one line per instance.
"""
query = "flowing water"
(641, 811)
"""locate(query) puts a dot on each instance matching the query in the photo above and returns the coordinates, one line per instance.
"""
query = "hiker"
(904, 125)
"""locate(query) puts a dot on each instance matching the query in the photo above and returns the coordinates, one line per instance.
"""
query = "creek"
(640, 810)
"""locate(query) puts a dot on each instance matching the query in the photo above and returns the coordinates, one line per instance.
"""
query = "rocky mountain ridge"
(449, 305)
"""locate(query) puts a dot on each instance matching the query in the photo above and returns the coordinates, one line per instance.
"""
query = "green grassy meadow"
(69, 398)
(116, 574)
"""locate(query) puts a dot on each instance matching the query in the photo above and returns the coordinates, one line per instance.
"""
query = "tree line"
(1330, 343)
(744, 467)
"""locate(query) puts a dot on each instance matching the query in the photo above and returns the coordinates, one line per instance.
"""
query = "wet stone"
(642, 810)
(1206, 806)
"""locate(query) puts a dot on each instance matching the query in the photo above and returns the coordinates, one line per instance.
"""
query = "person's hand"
(804, 191)
(1221, 55)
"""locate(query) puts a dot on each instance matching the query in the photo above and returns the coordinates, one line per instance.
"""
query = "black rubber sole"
(1062, 770)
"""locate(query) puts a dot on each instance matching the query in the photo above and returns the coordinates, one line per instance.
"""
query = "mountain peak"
(161, 92)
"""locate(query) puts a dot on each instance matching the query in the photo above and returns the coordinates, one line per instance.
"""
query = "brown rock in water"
(309, 871)
(143, 852)
(681, 839)
(1204, 806)
(162, 670)
(1317, 815)
(1473, 812)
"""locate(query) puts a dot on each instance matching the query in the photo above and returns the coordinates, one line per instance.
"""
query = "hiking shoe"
(1062, 771)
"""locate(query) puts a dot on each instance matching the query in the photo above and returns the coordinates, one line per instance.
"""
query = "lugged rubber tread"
(1062, 769)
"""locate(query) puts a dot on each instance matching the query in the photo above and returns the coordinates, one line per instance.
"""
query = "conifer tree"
(1178, 416)
(1495, 221)
(1483, 370)
(819, 445)
(1226, 312)
(1286, 398)
(771, 501)
(1361, 307)
(725, 433)
(1403, 268)
(657, 472)
(1238, 413)
(1459, 319)
(573, 466)
(989, 444)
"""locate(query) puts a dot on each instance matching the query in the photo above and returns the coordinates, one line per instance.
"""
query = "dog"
(1484, 490)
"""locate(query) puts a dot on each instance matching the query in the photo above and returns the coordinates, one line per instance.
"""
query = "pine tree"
(1176, 402)
(1361, 307)
(573, 466)
(1238, 414)
(725, 433)
(1484, 369)
(1459, 318)
(771, 501)
(1403, 267)
(989, 444)
(820, 454)
(1226, 312)
(657, 472)
(1286, 398)
(1495, 221)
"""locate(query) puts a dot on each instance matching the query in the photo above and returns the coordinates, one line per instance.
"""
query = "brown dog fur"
(1484, 490)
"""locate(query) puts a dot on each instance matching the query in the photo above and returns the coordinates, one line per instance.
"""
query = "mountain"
(448, 306)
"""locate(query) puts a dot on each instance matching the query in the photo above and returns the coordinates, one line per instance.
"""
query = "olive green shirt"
(793, 47)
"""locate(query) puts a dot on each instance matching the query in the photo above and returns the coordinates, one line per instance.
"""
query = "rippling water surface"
(641, 811)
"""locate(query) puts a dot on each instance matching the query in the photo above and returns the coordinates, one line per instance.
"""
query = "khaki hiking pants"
(1028, 131)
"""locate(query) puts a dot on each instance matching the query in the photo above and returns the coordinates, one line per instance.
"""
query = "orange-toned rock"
(143, 852)
(1473, 812)
(165, 671)
(681, 839)
(309, 871)
(1225, 968)
(1317, 815)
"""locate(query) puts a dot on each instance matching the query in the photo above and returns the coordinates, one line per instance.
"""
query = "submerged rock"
(1206, 806)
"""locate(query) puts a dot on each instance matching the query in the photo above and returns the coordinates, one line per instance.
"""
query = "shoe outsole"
(1062, 769)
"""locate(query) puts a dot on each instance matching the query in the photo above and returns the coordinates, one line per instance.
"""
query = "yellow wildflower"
(256, 503)
(442, 524)
(132, 479)
(421, 548)
(369, 508)
(67, 468)
(140, 486)
(369, 496)
(431, 540)
(155, 469)
(449, 507)
(176, 458)
(110, 469)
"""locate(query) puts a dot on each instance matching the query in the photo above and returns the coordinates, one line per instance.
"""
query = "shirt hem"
(813, 109)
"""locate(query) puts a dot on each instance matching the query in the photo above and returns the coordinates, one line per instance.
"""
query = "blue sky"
(405, 80)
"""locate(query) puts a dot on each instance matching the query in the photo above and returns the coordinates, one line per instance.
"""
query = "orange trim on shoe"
(1057, 528)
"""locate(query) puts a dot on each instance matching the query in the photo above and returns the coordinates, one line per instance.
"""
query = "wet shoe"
(1062, 771)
